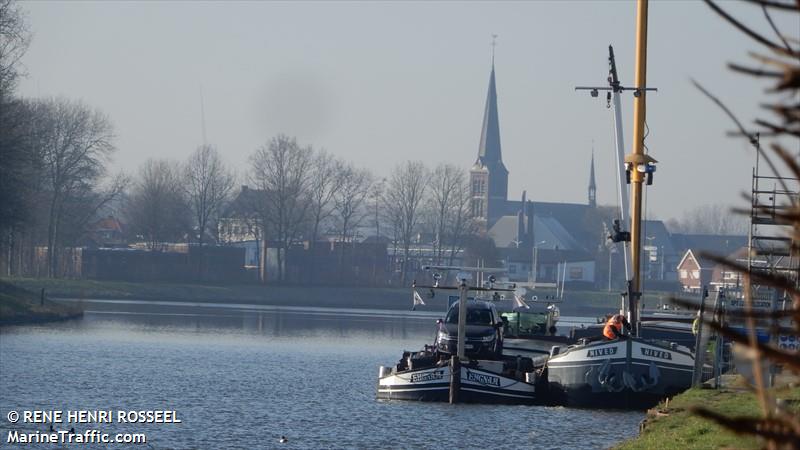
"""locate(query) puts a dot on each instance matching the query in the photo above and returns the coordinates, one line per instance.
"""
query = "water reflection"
(262, 320)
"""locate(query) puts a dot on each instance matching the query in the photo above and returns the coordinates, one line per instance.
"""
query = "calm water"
(240, 377)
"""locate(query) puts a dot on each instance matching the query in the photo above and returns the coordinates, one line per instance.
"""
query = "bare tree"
(442, 203)
(15, 158)
(20, 184)
(403, 200)
(18, 162)
(18, 175)
(80, 210)
(157, 209)
(14, 41)
(74, 143)
(376, 195)
(350, 199)
(350, 207)
(461, 225)
(281, 170)
(323, 187)
(208, 184)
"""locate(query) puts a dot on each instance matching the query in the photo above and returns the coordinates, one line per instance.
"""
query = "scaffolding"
(770, 238)
(772, 253)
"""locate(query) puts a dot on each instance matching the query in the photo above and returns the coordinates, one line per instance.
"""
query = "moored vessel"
(621, 373)
(418, 377)
(458, 369)
(626, 371)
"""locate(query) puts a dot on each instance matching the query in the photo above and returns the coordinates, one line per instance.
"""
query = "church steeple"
(489, 175)
(592, 186)
(489, 150)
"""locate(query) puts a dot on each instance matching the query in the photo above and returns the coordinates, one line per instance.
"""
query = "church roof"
(655, 233)
(545, 228)
(572, 217)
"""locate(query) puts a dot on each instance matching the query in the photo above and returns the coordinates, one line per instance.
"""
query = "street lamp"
(535, 263)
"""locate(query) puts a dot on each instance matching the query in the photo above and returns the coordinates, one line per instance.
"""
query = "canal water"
(242, 376)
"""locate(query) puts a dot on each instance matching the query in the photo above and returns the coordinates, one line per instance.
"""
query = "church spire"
(489, 150)
(592, 186)
(494, 44)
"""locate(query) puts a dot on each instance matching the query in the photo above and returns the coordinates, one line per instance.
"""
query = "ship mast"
(639, 166)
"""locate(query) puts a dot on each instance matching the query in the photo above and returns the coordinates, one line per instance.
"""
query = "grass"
(583, 303)
(352, 297)
(675, 427)
(18, 306)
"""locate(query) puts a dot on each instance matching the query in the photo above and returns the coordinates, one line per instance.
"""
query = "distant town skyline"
(381, 83)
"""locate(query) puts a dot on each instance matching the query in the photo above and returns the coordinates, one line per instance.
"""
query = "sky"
(380, 83)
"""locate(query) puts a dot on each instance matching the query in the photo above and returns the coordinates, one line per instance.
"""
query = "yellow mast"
(639, 165)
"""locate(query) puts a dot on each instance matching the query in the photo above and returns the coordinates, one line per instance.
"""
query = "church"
(528, 232)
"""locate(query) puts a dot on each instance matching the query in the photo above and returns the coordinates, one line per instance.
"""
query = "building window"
(477, 208)
(684, 273)
(696, 274)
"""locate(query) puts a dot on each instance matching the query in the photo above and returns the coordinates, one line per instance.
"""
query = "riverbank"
(674, 425)
(20, 306)
(579, 303)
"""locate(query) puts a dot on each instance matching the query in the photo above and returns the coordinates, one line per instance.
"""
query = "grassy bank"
(586, 303)
(674, 426)
(21, 306)
(351, 297)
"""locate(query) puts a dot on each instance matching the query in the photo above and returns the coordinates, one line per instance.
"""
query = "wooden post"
(462, 319)
(455, 360)
(699, 350)
(455, 378)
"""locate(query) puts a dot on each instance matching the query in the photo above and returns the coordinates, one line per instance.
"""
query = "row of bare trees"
(301, 192)
(178, 202)
(714, 219)
(54, 177)
(296, 194)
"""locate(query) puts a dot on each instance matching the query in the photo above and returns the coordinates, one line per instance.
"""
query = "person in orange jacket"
(613, 328)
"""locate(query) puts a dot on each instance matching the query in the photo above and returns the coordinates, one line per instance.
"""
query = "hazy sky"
(381, 82)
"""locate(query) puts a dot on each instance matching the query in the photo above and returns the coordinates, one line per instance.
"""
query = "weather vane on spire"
(494, 44)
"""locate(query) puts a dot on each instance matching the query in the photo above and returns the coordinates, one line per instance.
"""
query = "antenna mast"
(203, 116)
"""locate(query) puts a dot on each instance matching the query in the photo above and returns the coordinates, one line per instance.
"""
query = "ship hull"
(433, 384)
(631, 373)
